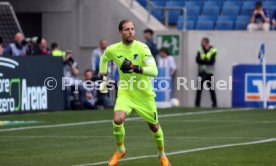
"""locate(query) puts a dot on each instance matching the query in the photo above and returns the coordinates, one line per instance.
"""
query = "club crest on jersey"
(135, 56)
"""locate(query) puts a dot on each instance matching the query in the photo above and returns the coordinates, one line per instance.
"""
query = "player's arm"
(103, 71)
(149, 68)
(104, 62)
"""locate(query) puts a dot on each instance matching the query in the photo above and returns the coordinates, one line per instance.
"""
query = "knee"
(250, 27)
(266, 26)
(154, 128)
(118, 120)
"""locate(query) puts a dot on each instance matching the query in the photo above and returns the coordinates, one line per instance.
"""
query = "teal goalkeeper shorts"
(146, 109)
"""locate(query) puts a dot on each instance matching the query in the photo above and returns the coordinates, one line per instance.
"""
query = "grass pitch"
(193, 137)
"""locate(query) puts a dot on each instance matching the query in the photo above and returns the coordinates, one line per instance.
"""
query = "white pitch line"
(188, 151)
(110, 121)
(129, 137)
(220, 121)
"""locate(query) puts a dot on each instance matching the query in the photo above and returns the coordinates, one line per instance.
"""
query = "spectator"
(1, 48)
(88, 95)
(96, 56)
(70, 66)
(71, 71)
(274, 20)
(42, 47)
(32, 45)
(103, 99)
(18, 48)
(259, 19)
(206, 58)
(148, 36)
(167, 62)
(56, 51)
(95, 98)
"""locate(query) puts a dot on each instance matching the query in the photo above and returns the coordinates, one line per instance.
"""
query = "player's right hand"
(103, 85)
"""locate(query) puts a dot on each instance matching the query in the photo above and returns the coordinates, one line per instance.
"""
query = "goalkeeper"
(136, 65)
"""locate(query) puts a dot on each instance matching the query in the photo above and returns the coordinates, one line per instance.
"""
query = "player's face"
(128, 32)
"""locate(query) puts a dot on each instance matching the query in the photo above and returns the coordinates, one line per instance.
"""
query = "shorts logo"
(154, 116)
(135, 56)
(254, 87)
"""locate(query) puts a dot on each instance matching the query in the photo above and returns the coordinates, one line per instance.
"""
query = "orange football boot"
(164, 161)
(116, 157)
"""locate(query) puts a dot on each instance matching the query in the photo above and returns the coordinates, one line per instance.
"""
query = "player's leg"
(122, 109)
(119, 130)
(149, 113)
(158, 138)
(119, 135)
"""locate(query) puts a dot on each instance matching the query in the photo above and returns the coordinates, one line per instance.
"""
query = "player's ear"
(120, 33)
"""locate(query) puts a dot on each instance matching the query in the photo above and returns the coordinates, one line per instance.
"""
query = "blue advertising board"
(248, 85)
(162, 85)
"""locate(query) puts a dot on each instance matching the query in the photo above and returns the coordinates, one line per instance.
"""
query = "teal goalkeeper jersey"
(133, 85)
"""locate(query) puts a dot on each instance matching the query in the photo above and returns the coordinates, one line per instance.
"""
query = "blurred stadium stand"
(228, 13)
(75, 24)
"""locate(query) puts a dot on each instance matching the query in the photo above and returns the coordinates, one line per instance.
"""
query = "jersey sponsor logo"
(254, 87)
(135, 56)
(119, 56)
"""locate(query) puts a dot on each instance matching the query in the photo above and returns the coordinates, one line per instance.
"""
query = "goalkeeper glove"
(103, 85)
(128, 67)
(137, 69)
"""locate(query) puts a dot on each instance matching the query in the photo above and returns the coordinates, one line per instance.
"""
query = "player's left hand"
(137, 69)
(128, 67)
